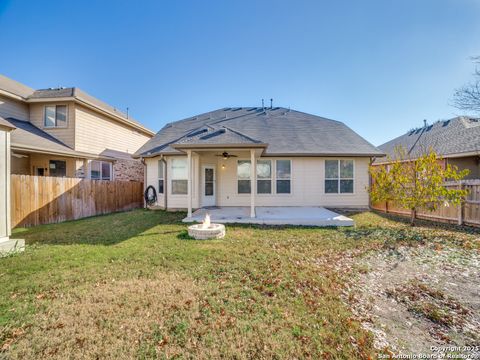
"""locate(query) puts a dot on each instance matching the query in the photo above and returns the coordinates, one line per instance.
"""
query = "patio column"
(253, 182)
(189, 183)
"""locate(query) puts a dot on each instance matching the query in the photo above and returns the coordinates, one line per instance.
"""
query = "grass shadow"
(431, 224)
(104, 230)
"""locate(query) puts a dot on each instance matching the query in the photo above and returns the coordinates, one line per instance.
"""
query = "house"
(293, 158)
(456, 141)
(66, 132)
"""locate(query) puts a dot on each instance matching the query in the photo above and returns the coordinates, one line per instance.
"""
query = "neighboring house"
(456, 141)
(66, 132)
(294, 158)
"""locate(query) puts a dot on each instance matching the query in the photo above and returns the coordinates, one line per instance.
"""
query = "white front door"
(208, 185)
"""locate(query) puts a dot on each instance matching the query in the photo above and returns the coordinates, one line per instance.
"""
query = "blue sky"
(379, 66)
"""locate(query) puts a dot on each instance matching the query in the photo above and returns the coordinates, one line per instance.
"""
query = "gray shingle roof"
(27, 135)
(28, 94)
(77, 93)
(14, 87)
(448, 137)
(287, 132)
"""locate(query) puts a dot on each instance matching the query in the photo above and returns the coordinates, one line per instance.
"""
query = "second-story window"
(55, 116)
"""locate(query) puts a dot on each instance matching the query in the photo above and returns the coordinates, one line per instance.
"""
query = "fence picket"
(43, 200)
(469, 215)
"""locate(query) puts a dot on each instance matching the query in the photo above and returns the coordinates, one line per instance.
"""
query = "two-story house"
(67, 132)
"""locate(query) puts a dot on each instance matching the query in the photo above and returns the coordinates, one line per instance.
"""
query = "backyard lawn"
(133, 285)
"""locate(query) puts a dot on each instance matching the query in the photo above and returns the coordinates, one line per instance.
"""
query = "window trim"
(45, 126)
(101, 170)
(273, 177)
(249, 178)
(339, 177)
(161, 178)
(290, 178)
(265, 179)
(172, 178)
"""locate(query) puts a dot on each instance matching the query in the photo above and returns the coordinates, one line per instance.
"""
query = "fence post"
(461, 206)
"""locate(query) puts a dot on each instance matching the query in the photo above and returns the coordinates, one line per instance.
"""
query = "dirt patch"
(415, 297)
(106, 321)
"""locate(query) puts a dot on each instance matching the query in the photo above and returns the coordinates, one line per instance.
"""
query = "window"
(284, 175)
(55, 116)
(264, 177)
(57, 168)
(100, 170)
(179, 177)
(243, 176)
(339, 176)
(160, 177)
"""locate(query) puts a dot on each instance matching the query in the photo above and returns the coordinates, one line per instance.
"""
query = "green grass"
(133, 285)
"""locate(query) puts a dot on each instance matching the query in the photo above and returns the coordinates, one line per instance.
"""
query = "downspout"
(144, 180)
(165, 192)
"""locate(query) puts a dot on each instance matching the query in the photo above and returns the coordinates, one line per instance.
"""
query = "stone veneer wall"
(128, 170)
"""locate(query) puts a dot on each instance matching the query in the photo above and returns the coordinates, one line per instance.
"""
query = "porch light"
(223, 166)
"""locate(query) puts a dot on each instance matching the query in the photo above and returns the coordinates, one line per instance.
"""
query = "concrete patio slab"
(290, 215)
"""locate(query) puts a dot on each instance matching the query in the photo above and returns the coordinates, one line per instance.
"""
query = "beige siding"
(20, 166)
(13, 108)
(95, 133)
(307, 184)
(42, 161)
(471, 163)
(64, 134)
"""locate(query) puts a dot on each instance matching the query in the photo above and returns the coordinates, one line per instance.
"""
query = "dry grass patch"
(107, 320)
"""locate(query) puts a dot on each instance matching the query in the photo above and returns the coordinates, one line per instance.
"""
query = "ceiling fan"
(226, 155)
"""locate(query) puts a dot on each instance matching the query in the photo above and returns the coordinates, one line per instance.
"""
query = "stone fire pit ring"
(202, 232)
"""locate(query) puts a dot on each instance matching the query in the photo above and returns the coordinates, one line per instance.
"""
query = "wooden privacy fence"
(39, 200)
(468, 213)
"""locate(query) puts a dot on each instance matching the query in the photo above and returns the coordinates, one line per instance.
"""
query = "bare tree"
(468, 96)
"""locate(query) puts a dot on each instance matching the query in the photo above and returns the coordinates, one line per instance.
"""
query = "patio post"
(253, 182)
(189, 182)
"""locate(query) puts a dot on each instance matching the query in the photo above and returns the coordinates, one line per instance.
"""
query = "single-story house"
(66, 132)
(257, 156)
(456, 141)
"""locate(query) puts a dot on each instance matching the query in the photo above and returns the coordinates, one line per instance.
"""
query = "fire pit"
(206, 230)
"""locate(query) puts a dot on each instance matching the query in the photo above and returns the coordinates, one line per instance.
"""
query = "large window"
(284, 176)
(57, 168)
(55, 116)
(339, 176)
(100, 170)
(160, 177)
(243, 176)
(179, 177)
(264, 177)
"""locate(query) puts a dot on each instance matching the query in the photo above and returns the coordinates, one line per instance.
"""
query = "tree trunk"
(413, 216)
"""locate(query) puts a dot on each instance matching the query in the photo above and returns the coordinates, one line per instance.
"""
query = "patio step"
(9, 246)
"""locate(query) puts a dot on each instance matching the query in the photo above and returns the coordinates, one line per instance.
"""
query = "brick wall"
(129, 170)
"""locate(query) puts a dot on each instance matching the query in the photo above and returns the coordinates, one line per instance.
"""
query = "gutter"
(61, 153)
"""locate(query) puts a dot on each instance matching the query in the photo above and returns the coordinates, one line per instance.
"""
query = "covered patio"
(270, 215)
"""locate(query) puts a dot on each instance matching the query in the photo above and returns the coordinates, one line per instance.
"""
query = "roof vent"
(198, 132)
(215, 133)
